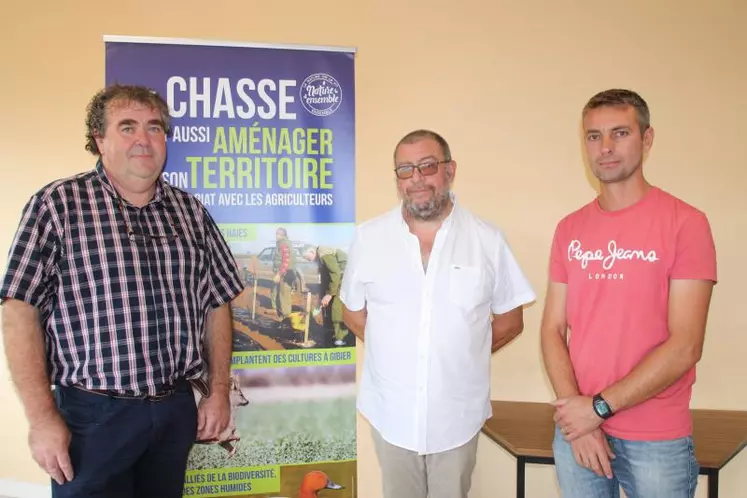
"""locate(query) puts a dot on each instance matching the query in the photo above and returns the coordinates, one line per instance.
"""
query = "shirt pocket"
(467, 287)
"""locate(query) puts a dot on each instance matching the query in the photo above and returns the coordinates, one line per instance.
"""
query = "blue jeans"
(127, 448)
(644, 469)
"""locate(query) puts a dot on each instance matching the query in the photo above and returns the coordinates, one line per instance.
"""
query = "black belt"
(164, 393)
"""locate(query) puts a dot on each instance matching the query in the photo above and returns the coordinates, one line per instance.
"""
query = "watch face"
(601, 407)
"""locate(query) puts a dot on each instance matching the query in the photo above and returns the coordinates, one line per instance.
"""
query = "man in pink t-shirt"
(631, 277)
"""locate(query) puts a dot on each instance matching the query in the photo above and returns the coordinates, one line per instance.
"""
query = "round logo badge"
(320, 94)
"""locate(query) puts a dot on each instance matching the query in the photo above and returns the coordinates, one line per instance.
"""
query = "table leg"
(712, 483)
(520, 468)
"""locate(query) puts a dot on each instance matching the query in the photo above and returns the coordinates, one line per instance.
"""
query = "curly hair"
(100, 103)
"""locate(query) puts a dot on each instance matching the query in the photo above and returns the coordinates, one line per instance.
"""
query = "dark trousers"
(127, 448)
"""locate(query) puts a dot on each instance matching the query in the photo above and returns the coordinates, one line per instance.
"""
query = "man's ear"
(452, 166)
(648, 139)
(98, 137)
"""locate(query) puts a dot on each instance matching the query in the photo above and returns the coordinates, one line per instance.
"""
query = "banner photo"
(264, 136)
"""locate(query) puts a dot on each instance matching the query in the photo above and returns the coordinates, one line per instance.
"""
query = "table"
(526, 430)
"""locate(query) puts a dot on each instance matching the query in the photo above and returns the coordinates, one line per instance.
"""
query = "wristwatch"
(601, 407)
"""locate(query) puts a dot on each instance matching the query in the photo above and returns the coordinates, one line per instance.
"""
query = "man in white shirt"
(423, 283)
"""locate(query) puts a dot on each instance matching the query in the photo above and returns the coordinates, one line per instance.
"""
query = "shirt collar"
(107, 184)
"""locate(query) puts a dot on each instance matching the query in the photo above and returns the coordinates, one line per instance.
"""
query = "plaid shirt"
(123, 292)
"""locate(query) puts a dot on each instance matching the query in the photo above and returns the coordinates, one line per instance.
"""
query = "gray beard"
(429, 210)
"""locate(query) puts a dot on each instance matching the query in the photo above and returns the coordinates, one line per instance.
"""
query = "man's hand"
(49, 437)
(593, 452)
(575, 416)
(276, 278)
(49, 441)
(213, 415)
(213, 412)
(326, 300)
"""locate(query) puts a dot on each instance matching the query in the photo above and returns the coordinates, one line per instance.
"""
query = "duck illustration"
(312, 483)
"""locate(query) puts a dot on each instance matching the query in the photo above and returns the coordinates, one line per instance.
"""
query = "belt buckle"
(162, 395)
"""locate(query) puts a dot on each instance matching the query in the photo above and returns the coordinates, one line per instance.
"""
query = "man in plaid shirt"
(117, 292)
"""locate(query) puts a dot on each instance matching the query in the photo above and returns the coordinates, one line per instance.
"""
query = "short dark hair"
(621, 97)
(99, 104)
(417, 135)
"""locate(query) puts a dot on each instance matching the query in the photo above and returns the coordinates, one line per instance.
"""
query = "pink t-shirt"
(617, 266)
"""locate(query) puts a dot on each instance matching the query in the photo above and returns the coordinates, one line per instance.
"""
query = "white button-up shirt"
(425, 384)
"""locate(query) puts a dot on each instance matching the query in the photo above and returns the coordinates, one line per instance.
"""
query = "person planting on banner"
(284, 267)
(117, 292)
(332, 264)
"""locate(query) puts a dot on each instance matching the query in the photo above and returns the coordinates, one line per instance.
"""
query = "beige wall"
(503, 81)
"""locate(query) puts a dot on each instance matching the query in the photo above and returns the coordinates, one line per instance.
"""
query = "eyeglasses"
(145, 237)
(427, 168)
